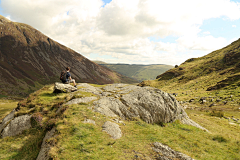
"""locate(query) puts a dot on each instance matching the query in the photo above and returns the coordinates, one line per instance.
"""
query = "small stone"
(89, 121)
(112, 129)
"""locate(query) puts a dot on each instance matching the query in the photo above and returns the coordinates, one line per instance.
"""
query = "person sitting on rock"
(69, 78)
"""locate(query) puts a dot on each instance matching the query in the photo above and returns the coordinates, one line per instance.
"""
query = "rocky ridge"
(119, 101)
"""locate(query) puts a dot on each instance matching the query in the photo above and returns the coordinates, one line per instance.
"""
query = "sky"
(132, 31)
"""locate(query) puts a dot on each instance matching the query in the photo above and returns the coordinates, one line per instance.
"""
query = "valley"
(137, 71)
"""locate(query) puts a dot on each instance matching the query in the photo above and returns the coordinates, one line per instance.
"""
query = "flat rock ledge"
(166, 153)
(17, 126)
(63, 88)
(45, 147)
(81, 100)
(112, 129)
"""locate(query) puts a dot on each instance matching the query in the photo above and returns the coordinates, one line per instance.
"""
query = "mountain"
(29, 60)
(138, 71)
(216, 74)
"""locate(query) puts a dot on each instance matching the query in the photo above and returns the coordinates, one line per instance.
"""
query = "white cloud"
(121, 28)
(202, 43)
(234, 26)
(207, 32)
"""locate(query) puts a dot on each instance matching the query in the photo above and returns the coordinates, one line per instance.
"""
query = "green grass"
(6, 106)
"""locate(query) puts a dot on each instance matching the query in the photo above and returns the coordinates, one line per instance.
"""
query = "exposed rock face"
(6, 119)
(45, 148)
(63, 88)
(112, 129)
(81, 100)
(150, 104)
(89, 88)
(17, 125)
(27, 56)
(166, 153)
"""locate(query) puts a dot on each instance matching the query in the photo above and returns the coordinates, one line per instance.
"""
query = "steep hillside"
(216, 74)
(136, 71)
(29, 60)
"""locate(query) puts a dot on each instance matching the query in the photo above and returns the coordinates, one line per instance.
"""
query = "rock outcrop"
(16, 126)
(112, 129)
(81, 100)
(63, 88)
(150, 104)
(166, 153)
(7, 119)
(46, 146)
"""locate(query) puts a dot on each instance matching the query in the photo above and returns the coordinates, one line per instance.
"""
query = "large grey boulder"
(112, 129)
(150, 104)
(166, 153)
(63, 88)
(17, 126)
(153, 105)
(46, 146)
(6, 119)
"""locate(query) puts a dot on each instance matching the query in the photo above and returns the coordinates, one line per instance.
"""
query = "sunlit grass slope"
(216, 74)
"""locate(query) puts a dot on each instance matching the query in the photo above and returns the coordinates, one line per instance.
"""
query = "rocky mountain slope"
(138, 71)
(214, 76)
(29, 60)
(116, 121)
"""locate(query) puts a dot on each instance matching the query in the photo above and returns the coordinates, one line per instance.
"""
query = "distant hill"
(217, 73)
(29, 60)
(136, 71)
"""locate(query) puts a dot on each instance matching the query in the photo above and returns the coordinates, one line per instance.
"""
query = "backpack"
(63, 77)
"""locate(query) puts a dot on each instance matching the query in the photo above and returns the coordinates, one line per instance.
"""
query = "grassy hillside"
(138, 72)
(215, 76)
(78, 140)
